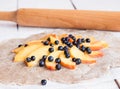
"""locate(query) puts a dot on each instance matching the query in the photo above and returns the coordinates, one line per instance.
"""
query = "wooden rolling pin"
(80, 19)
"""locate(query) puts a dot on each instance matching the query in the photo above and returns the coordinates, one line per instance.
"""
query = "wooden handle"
(9, 16)
(80, 19)
(101, 20)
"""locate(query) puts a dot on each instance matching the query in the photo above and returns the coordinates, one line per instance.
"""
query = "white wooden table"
(10, 30)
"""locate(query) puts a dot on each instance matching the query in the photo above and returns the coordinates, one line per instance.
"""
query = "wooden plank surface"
(108, 5)
(7, 29)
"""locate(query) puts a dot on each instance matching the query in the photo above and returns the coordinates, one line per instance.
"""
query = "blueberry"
(57, 60)
(51, 50)
(67, 55)
(58, 66)
(41, 63)
(77, 61)
(73, 37)
(79, 41)
(78, 46)
(44, 57)
(70, 35)
(32, 58)
(87, 40)
(74, 42)
(46, 42)
(19, 45)
(50, 58)
(88, 50)
(43, 82)
(70, 45)
(82, 48)
(56, 42)
(82, 40)
(63, 40)
(65, 48)
(51, 45)
(67, 38)
(73, 59)
(28, 59)
(48, 39)
(26, 45)
(60, 48)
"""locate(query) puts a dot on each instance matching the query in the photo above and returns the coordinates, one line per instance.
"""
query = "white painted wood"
(97, 4)
(7, 29)
(8, 5)
(48, 4)
(101, 85)
(115, 73)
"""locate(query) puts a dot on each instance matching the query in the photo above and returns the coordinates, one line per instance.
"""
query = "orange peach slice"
(96, 45)
(96, 54)
(67, 62)
(38, 53)
(23, 53)
(52, 65)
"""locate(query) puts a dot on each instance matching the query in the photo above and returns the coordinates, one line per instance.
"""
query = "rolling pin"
(79, 19)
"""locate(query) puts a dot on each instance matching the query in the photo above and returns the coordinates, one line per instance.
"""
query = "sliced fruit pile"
(56, 51)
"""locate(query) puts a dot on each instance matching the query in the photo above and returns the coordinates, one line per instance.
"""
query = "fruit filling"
(56, 52)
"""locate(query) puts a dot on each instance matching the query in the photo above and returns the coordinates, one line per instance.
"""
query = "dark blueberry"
(66, 52)
(88, 50)
(56, 42)
(78, 46)
(60, 48)
(44, 57)
(58, 66)
(32, 58)
(26, 45)
(46, 42)
(73, 59)
(51, 50)
(70, 35)
(87, 40)
(79, 41)
(74, 42)
(70, 45)
(48, 39)
(57, 60)
(82, 48)
(67, 55)
(63, 40)
(73, 37)
(50, 58)
(43, 82)
(67, 38)
(28, 59)
(77, 61)
(65, 48)
(66, 42)
(82, 40)
(19, 45)
(51, 45)
(41, 63)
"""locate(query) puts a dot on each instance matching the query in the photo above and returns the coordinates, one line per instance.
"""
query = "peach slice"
(38, 53)
(52, 65)
(88, 60)
(67, 62)
(16, 50)
(96, 54)
(96, 45)
(22, 54)
(76, 53)
(35, 42)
